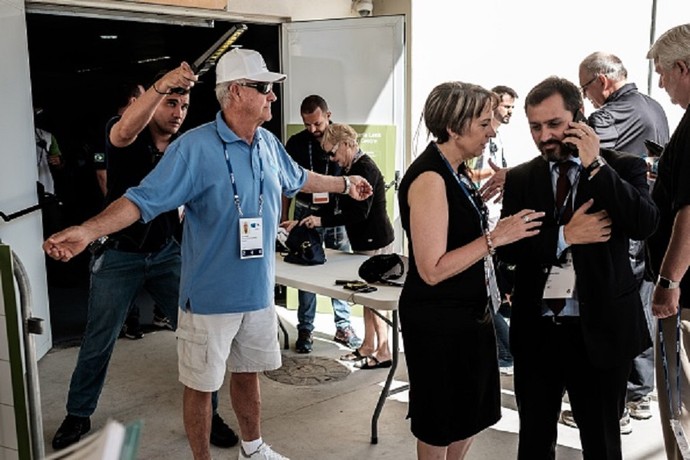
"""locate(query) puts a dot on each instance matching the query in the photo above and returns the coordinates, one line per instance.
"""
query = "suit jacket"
(612, 316)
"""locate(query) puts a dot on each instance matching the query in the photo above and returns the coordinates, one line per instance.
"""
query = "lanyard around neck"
(311, 159)
(561, 210)
(236, 195)
(470, 190)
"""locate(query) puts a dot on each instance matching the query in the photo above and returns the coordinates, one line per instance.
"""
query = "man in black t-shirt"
(139, 256)
(305, 148)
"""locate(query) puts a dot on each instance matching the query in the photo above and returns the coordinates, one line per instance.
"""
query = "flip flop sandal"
(376, 364)
(353, 356)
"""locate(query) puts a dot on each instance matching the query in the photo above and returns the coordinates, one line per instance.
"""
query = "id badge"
(561, 281)
(251, 238)
(681, 440)
(319, 198)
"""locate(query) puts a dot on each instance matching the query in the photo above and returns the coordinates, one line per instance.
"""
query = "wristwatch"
(348, 184)
(597, 163)
(667, 283)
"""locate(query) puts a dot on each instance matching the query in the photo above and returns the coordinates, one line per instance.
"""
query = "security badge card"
(319, 198)
(251, 238)
(561, 281)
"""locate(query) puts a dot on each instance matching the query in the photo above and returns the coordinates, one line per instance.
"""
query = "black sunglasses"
(262, 87)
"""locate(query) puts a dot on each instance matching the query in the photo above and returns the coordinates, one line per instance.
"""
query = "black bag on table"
(304, 246)
(384, 268)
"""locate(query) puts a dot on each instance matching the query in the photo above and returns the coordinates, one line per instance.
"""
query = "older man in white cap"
(229, 174)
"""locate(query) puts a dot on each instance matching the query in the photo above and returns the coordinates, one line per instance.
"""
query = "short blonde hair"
(453, 105)
(339, 133)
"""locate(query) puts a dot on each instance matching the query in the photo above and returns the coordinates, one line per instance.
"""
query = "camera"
(363, 7)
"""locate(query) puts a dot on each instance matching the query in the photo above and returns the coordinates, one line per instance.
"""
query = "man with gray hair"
(669, 247)
(229, 175)
(625, 117)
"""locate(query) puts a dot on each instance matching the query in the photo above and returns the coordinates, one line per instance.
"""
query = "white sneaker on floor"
(640, 409)
(568, 419)
(264, 452)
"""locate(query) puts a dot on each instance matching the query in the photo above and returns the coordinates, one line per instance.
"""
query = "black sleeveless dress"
(447, 329)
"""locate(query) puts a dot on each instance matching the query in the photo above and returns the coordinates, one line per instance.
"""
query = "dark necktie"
(565, 212)
(562, 192)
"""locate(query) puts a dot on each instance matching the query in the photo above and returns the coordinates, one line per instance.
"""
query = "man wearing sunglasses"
(229, 174)
(139, 255)
(305, 148)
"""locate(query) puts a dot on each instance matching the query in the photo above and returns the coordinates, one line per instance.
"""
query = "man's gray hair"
(607, 64)
(671, 47)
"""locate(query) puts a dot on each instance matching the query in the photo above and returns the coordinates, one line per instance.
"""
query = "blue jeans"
(116, 278)
(334, 238)
(505, 358)
(641, 380)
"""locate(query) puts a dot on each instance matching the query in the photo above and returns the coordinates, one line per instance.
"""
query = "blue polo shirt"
(194, 173)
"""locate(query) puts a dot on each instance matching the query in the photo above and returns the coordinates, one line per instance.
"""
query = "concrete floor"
(327, 421)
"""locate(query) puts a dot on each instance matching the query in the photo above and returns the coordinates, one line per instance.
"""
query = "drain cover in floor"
(308, 370)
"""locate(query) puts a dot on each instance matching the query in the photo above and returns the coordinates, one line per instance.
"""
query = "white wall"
(520, 43)
(18, 174)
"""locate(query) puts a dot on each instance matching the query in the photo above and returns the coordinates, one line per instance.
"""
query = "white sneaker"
(264, 452)
(568, 419)
(640, 409)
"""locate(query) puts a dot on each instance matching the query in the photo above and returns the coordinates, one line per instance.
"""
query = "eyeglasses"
(332, 153)
(262, 87)
(583, 88)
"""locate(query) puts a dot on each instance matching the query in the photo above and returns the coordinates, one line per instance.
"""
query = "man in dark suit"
(577, 320)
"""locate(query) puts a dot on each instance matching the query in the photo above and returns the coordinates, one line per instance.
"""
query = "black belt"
(561, 320)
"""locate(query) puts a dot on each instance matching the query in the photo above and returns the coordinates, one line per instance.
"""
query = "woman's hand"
(288, 224)
(311, 221)
(516, 227)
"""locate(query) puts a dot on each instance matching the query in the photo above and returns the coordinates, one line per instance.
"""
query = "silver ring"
(526, 219)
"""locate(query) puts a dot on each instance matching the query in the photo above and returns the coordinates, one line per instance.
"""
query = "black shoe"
(133, 331)
(71, 431)
(221, 434)
(304, 342)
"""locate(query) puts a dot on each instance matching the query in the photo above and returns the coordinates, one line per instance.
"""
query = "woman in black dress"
(450, 345)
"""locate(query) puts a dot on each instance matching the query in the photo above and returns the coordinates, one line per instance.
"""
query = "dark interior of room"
(75, 64)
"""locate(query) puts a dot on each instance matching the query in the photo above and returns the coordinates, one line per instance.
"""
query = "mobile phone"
(344, 282)
(653, 149)
(355, 286)
(569, 147)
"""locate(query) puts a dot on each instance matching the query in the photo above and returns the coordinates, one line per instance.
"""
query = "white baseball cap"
(240, 63)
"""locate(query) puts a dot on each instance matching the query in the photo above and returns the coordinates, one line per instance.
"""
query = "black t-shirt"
(366, 222)
(127, 166)
(671, 192)
(306, 150)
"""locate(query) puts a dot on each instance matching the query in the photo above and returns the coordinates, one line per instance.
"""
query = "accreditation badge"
(561, 281)
(319, 198)
(251, 238)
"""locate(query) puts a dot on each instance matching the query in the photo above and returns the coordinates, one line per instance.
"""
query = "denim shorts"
(207, 345)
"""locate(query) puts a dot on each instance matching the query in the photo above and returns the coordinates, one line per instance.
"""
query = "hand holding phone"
(578, 117)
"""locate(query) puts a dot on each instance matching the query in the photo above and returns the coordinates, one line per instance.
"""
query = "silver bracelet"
(348, 184)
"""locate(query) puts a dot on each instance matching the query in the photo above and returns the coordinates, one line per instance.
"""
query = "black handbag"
(304, 246)
(384, 268)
